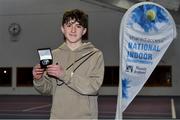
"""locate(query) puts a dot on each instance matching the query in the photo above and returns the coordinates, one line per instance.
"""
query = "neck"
(74, 46)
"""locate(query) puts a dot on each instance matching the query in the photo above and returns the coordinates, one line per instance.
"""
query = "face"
(73, 31)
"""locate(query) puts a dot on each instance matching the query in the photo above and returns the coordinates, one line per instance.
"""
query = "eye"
(68, 25)
(78, 26)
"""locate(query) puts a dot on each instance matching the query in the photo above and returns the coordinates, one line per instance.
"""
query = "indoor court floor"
(142, 107)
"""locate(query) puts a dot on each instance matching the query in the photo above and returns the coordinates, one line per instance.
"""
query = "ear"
(62, 29)
(84, 31)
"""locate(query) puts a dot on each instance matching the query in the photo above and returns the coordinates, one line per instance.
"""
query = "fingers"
(54, 70)
(37, 72)
(53, 67)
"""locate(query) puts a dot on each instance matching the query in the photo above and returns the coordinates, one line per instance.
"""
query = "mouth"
(72, 35)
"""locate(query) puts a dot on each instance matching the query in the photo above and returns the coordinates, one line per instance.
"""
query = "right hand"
(37, 72)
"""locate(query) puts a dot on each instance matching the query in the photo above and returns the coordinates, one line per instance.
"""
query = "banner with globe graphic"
(146, 31)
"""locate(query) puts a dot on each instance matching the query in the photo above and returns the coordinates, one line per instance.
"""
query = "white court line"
(14, 115)
(173, 109)
(38, 107)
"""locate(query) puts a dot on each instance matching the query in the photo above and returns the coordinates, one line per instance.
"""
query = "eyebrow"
(77, 23)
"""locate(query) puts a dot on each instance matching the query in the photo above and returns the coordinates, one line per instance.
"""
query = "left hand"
(55, 70)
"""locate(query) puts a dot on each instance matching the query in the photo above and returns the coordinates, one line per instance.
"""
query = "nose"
(73, 29)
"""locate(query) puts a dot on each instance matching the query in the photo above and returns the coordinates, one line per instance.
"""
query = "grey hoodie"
(74, 93)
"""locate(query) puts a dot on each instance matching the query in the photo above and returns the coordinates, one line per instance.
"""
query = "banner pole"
(119, 115)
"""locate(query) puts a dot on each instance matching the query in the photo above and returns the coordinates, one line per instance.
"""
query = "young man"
(76, 74)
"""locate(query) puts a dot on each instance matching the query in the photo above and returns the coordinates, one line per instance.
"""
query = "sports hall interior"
(40, 22)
